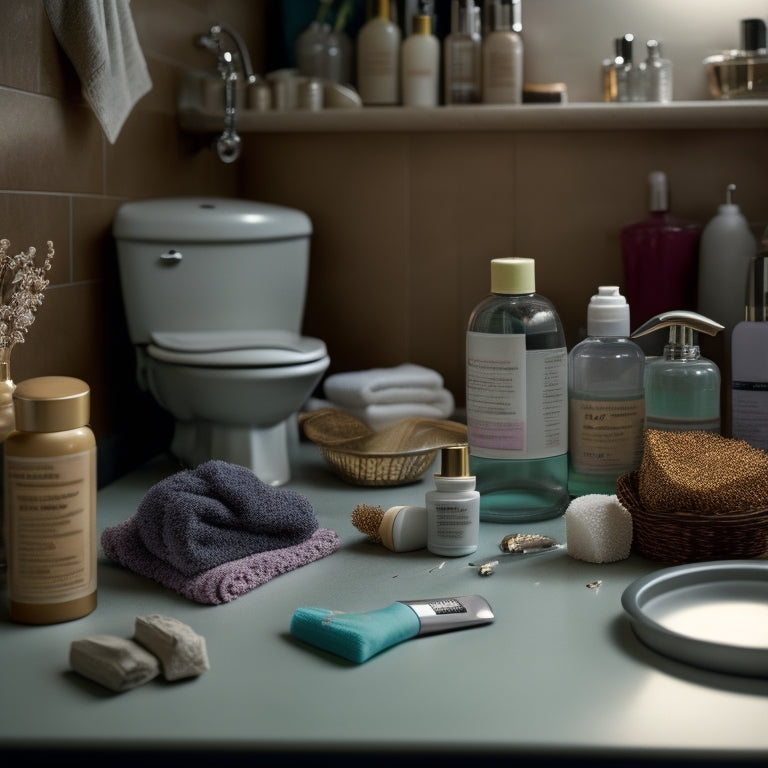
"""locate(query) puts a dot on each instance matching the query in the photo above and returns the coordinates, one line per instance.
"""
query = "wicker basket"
(397, 455)
(688, 536)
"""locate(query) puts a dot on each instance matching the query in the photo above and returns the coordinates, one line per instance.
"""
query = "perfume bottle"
(682, 388)
(657, 74)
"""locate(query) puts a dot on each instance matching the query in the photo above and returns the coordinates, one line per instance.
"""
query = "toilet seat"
(231, 349)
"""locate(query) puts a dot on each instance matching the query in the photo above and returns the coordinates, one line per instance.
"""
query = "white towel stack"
(383, 396)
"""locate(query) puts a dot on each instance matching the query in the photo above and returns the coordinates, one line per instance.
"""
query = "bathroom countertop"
(559, 675)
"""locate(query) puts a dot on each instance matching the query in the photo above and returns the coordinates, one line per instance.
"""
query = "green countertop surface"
(559, 674)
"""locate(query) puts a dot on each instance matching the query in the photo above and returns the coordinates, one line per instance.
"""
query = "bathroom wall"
(404, 223)
(61, 180)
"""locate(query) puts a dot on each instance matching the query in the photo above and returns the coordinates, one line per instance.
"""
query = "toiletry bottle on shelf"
(311, 44)
(657, 74)
(378, 59)
(629, 84)
(453, 509)
(502, 52)
(420, 61)
(610, 72)
(660, 257)
(462, 60)
(725, 254)
(749, 359)
(606, 400)
(50, 502)
(517, 398)
(682, 388)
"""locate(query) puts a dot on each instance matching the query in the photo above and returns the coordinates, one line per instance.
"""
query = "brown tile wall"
(405, 224)
(61, 180)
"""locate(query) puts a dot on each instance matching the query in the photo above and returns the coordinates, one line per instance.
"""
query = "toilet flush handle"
(171, 256)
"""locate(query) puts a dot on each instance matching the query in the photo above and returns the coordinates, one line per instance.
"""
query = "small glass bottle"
(629, 85)
(682, 388)
(462, 49)
(517, 398)
(50, 501)
(453, 509)
(657, 74)
(606, 401)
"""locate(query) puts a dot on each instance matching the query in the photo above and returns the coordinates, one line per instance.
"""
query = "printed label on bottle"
(50, 528)
(749, 404)
(517, 400)
(605, 435)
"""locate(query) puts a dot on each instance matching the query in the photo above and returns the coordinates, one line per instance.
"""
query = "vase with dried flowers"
(22, 283)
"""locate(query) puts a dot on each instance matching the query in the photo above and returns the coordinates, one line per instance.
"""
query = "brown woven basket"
(396, 455)
(688, 536)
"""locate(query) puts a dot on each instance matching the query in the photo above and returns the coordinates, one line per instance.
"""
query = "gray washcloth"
(200, 518)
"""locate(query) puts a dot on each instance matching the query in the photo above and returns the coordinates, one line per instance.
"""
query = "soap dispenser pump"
(682, 388)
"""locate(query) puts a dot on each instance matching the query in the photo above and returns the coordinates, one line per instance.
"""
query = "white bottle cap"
(658, 191)
(608, 313)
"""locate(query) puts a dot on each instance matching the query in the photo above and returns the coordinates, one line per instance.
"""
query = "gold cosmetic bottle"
(50, 502)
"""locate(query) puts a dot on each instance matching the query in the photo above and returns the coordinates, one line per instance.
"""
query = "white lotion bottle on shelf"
(453, 509)
(502, 57)
(420, 62)
(378, 59)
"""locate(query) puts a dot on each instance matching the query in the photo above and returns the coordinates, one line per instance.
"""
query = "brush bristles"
(368, 520)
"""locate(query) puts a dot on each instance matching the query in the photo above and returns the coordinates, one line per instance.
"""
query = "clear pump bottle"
(453, 509)
(682, 388)
(517, 398)
(50, 502)
(462, 61)
(606, 400)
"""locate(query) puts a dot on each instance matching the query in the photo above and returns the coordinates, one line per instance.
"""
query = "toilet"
(214, 292)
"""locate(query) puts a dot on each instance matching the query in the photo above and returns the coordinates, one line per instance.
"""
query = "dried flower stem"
(22, 283)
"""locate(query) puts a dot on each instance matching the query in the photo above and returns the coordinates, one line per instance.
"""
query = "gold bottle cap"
(422, 25)
(513, 276)
(51, 404)
(454, 461)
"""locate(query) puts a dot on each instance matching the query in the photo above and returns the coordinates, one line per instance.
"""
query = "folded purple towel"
(223, 583)
(215, 532)
(199, 518)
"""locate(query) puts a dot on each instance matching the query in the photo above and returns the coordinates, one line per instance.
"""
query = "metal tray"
(712, 614)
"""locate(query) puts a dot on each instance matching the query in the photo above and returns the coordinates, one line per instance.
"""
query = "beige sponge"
(598, 528)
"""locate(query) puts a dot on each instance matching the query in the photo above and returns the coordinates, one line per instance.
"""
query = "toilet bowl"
(214, 292)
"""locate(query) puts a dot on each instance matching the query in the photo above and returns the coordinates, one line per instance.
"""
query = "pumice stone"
(598, 528)
(116, 663)
(182, 652)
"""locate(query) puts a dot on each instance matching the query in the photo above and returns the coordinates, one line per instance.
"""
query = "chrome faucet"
(228, 145)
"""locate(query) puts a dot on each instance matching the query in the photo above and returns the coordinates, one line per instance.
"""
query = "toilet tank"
(211, 264)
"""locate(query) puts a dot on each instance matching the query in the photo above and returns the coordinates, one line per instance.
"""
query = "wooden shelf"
(687, 115)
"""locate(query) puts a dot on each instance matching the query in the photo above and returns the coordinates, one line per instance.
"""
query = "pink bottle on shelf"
(660, 257)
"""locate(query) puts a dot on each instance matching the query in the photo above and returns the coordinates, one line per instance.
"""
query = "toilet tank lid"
(207, 219)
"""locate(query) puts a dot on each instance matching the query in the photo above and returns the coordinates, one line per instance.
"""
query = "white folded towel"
(379, 416)
(383, 396)
(406, 383)
(100, 40)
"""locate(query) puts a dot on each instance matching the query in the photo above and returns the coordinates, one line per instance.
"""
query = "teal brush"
(358, 636)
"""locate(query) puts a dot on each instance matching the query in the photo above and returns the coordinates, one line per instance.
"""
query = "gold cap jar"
(51, 404)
